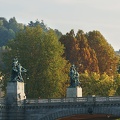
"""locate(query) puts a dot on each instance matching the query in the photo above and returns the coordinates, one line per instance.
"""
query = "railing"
(77, 99)
(67, 100)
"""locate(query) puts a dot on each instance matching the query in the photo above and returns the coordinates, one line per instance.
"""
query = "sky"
(64, 15)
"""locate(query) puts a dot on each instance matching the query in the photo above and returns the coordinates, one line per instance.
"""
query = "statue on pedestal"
(17, 69)
(74, 77)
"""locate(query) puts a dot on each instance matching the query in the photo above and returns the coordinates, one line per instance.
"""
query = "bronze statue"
(74, 77)
(17, 69)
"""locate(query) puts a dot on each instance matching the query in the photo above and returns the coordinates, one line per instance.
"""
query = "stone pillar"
(14, 98)
(74, 92)
(15, 92)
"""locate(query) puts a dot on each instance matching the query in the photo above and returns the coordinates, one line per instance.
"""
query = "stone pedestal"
(15, 92)
(74, 92)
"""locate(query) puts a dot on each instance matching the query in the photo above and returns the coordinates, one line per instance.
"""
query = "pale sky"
(64, 15)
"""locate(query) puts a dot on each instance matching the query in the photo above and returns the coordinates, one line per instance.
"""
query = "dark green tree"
(38, 23)
(5, 22)
(16, 27)
(5, 35)
(8, 29)
(44, 27)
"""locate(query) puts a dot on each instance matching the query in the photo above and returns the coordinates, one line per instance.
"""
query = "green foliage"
(117, 81)
(4, 22)
(1, 23)
(16, 27)
(8, 30)
(44, 27)
(5, 34)
(38, 23)
(96, 84)
(40, 53)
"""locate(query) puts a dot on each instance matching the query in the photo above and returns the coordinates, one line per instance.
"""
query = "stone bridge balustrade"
(52, 109)
(77, 99)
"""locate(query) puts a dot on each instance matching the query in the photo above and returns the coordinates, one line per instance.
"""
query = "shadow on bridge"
(90, 117)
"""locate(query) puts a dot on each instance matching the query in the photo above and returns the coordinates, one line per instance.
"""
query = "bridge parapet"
(51, 109)
(77, 99)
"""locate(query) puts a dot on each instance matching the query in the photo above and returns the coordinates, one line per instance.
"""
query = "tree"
(40, 53)
(1, 23)
(96, 84)
(5, 35)
(107, 59)
(8, 29)
(16, 27)
(78, 52)
(44, 27)
(117, 81)
(86, 56)
(70, 43)
(5, 22)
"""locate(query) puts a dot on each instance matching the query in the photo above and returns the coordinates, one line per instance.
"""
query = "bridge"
(54, 109)
(15, 106)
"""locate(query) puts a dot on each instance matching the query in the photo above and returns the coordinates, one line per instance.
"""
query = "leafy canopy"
(41, 54)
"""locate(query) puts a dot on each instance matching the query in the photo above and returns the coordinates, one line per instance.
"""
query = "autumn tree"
(40, 53)
(70, 43)
(86, 56)
(78, 52)
(107, 59)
